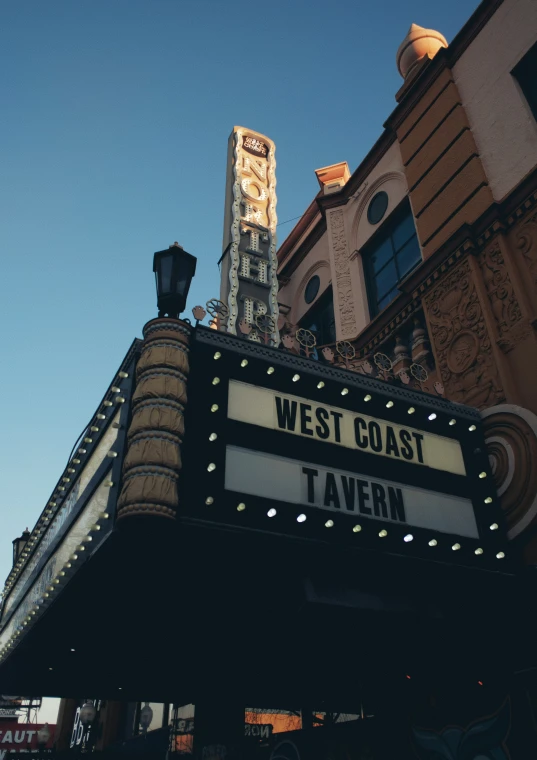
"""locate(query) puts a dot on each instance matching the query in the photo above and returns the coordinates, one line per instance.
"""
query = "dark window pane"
(403, 231)
(381, 255)
(526, 73)
(386, 279)
(321, 320)
(312, 288)
(388, 298)
(377, 207)
(408, 257)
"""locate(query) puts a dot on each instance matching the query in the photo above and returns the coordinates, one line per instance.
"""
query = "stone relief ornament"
(526, 242)
(460, 337)
(344, 297)
(199, 313)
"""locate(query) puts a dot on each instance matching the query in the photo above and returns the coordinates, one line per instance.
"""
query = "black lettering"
(337, 417)
(361, 485)
(310, 474)
(379, 500)
(397, 506)
(375, 436)
(359, 425)
(348, 492)
(419, 439)
(330, 491)
(305, 419)
(391, 442)
(406, 448)
(322, 429)
(286, 413)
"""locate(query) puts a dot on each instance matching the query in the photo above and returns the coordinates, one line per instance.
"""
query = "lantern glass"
(174, 269)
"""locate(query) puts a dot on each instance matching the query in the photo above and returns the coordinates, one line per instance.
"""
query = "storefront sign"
(249, 285)
(300, 416)
(296, 482)
(22, 737)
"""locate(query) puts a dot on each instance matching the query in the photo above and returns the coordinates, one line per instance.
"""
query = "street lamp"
(19, 544)
(174, 269)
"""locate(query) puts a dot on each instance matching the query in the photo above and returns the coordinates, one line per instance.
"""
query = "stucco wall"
(503, 125)
(315, 262)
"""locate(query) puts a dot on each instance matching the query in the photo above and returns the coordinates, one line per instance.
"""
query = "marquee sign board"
(77, 518)
(249, 285)
(286, 445)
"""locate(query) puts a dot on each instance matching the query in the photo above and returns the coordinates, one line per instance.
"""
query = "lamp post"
(88, 712)
(174, 269)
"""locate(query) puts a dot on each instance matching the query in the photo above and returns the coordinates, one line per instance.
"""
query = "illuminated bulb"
(241, 507)
(88, 440)
(494, 526)
(52, 503)
(500, 555)
(472, 428)
(109, 483)
(456, 547)
(209, 500)
(409, 537)
(115, 389)
(482, 474)
(270, 371)
(453, 422)
(488, 500)
(101, 416)
(213, 437)
(123, 374)
(320, 384)
(214, 408)
(120, 400)
(244, 363)
(301, 518)
(296, 378)
(71, 469)
(479, 551)
(344, 391)
(55, 581)
(432, 416)
(68, 565)
(112, 454)
(62, 573)
(81, 451)
(107, 403)
(217, 355)
(271, 512)
(81, 548)
(329, 524)
(357, 529)
(95, 527)
(211, 467)
(389, 404)
(50, 588)
(46, 595)
(94, 429)
(74, 557)
(411, 410)
(61, 488)
(367, 398)
(216, 380)
(105, 515)
(433, 542)
(383, 533)
(66, 480)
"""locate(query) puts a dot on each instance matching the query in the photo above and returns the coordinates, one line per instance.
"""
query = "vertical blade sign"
(248, 284)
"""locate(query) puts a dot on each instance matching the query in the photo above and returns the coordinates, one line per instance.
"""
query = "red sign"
(21, 737)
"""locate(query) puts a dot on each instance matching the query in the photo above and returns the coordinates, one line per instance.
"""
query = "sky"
(113, 139)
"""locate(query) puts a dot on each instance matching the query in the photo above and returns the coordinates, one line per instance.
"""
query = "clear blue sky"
(113, 133)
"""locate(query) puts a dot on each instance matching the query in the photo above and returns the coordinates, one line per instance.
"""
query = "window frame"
(318, 304)
(521, 67)
(383, 233)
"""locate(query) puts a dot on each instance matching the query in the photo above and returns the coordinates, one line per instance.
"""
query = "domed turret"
(418, 43)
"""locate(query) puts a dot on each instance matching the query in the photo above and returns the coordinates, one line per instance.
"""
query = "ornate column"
(153, 460)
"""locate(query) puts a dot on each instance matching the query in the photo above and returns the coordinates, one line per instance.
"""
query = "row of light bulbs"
(47, 515)
(344, 392)
(51, 588)
(301, 518)
(330, 523)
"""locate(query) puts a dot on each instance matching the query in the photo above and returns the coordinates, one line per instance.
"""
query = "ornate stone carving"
(511, 438)
(462, 343)
(343, 295)
(503, 301)
(153, 459)
(526, 242)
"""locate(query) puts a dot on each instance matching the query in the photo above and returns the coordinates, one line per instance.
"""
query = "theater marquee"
(283, 444)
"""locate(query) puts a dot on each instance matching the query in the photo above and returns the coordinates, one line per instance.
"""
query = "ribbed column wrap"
(153, 458)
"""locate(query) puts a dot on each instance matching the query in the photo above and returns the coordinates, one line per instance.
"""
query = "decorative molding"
(340, 255)
(364, 198)
(153, 459)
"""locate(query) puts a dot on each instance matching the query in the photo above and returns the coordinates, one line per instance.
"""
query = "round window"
(312, 288)
(377, 207)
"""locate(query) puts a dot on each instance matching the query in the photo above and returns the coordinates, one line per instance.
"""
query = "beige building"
(427, 252)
